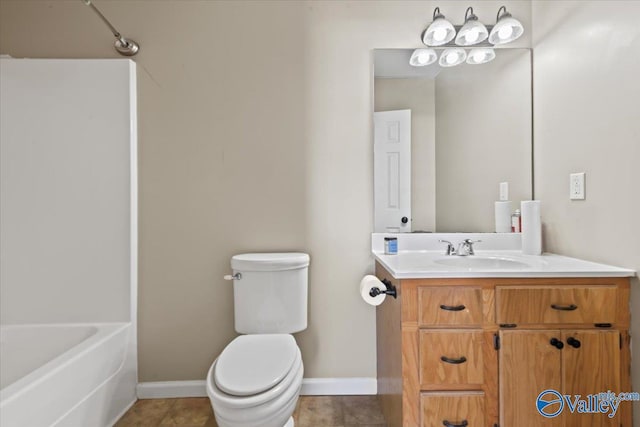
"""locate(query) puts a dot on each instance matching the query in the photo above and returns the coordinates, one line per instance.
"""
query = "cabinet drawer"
(453, 409)
(544, 305)
(451, 358)
(449, 306)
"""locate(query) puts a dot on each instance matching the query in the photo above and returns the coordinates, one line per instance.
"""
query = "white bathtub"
(64, 374)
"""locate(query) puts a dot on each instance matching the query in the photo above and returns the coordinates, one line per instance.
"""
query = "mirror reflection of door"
(392, 171)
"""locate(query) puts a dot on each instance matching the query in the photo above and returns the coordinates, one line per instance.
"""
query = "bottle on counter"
(516, 222)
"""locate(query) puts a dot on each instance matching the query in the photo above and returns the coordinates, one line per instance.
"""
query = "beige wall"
(483, 129)
(417, 95)
(586, 68)
(255, 134)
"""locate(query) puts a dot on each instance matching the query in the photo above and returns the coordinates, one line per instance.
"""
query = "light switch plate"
(504, 191)
(576, 186)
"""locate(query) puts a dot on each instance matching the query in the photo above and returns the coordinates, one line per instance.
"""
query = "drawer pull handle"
(602, 325)
(453, 361)
(508, 325)
(452, 307)
(463, 423)
(574, 342)
(569, 307)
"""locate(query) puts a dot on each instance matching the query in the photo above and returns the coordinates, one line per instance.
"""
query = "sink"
(481, 262)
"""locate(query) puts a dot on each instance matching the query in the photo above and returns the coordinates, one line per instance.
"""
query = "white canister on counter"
(390, 245)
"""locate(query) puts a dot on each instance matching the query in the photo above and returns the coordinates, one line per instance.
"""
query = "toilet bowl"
(256, 381)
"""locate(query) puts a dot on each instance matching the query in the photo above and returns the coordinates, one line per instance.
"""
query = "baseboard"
(338, 386)
(171, 389)
(310, 387)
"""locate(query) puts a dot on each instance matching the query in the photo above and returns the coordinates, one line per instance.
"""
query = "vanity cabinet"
(478, 351)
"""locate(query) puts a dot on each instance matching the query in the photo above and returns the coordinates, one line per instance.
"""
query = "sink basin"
(480, 262)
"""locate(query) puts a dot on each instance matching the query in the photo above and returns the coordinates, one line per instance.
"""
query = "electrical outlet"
(576, 186)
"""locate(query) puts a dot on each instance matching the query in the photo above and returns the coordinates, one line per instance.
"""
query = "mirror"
(470, 128)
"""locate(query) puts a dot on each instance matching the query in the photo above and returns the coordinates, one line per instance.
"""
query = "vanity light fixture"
(473, 31)
(472, 34)
(507, 28)
(452, 57)
(480, 55)
(439, 32)
(422, 57)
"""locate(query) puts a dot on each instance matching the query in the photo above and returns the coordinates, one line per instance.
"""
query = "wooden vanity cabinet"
(477, 351)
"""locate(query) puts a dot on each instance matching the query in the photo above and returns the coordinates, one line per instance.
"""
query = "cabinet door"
(528, 365)
(590, 365)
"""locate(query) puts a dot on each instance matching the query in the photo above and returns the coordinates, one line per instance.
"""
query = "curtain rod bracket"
(124, 46)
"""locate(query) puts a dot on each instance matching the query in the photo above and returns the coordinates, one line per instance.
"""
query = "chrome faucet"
(466, 247)
(451, 250)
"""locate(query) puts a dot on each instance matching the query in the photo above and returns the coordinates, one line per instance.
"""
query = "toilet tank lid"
(269, 261)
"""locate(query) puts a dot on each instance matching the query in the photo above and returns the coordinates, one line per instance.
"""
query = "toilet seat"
(252, 364)
(290, 383)
(272, 408)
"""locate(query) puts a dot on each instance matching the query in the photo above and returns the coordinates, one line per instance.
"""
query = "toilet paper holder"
(391, 290)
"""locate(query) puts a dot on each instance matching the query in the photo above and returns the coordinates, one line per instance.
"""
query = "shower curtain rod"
(124, 46)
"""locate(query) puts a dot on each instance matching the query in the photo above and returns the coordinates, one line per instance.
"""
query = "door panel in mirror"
(392, 171)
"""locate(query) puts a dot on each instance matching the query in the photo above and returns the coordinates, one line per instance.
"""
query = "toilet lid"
(251, 364)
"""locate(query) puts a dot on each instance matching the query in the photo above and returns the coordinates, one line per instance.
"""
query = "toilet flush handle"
(236, 276)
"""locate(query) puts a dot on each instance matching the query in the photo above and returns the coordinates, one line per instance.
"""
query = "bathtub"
(65, 374)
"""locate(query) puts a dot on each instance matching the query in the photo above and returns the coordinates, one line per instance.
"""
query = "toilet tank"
(270, 294)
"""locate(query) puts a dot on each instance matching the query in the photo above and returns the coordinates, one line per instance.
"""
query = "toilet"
(256, 380)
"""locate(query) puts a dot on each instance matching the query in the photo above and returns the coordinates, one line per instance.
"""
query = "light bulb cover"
(439, 32)
(423, 57)
(473, 31)
(507, 28)
(480, 55)
(452, 56)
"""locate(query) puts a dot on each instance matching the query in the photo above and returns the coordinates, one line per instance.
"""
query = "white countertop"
(422, 264)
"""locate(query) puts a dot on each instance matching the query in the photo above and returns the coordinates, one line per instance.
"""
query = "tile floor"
(312, 411)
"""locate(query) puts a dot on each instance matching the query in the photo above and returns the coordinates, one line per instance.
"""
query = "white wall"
(255, 134)
(417, 95)
(65, 191)
(587, 87)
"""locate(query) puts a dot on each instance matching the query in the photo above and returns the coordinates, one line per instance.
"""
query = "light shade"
(480, 56)
(473, 31)
(422, 57)
(439, 32)
(507, 28)
(452, 57)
